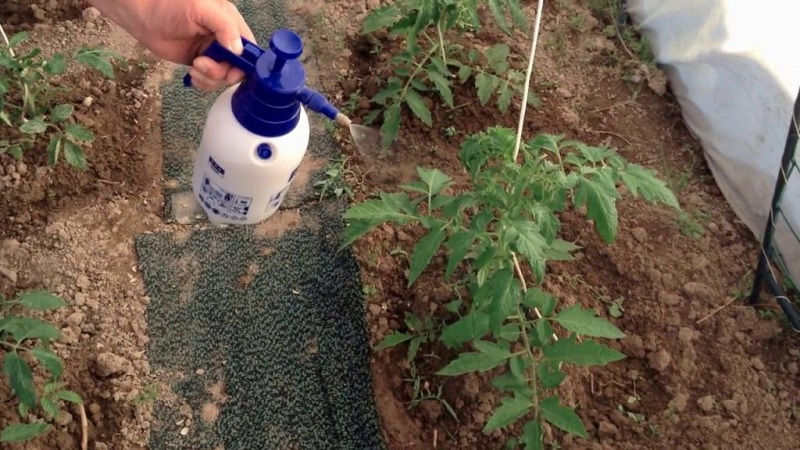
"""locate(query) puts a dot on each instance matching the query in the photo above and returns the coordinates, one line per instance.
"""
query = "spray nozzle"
(267, 101)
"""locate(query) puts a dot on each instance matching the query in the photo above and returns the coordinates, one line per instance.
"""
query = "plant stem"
(416, 71)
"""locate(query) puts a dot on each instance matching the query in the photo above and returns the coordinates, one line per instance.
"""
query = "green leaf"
(442, 86)
(643, 181)
(61, 113)
(34, 126)
(391, 124)
(396, 208)
(380, 18)
(550, 375)
(435, 179)
(74, 155)
(393, 339)
(56, 65)
(424, 251)
(510, 410)
(536, 298)
(54, 150)
(509, 332)
(529, 243)
(562, 417)
(18, 38)
(69, 396)
(503, 304)
(3, 88)
(26, 328)
(497, 54)
(485, 84)
(504, 99)
(79, 133)
(418, 107)
(585, 322)
(586, 353)
(561, 250)
(469, 328)
(544, 333)
(459, 244)
(51, 408)
(16, 152)
(41, 301)
(517, 14)
(499, 15)
(49, 360)
(497, 286)
(413, 347)
(21, 432)
(492, 350)
(599, 195)
(532, 435)
(470, 362)
(98, 59)
(21, 379)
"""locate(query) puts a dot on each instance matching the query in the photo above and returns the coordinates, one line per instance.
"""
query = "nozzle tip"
(343, 120)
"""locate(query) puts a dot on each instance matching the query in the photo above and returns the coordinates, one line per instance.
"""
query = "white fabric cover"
(734, 66)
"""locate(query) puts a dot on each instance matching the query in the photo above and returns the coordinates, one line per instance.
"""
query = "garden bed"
(701, 372)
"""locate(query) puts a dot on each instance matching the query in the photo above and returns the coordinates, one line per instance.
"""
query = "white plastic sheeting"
(734, 66)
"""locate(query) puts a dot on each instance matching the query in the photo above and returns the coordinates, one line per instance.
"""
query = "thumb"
(224, 26)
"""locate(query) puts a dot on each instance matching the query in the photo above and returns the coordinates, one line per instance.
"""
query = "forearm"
(128, 14)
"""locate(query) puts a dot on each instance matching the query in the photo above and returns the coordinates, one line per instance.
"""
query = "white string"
(8, 44)
(526, 90)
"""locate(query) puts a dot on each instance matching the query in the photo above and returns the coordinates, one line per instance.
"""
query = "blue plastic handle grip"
(245, 62)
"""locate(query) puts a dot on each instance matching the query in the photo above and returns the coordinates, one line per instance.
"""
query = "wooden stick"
(716, 311)
(84, 428)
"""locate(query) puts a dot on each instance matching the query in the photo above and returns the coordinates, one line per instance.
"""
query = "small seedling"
(23, 340)
(29, 106)
(334, 182)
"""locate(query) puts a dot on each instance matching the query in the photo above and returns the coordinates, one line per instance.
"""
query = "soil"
(701, 372)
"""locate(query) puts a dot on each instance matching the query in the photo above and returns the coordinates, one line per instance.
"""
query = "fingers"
(228, 27)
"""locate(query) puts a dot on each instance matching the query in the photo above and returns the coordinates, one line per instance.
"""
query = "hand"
(180, 30)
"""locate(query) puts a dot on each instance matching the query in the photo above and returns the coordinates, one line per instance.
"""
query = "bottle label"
(222, 203)
(275, 199)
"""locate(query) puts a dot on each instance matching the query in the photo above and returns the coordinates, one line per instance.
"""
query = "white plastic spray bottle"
(256, 133)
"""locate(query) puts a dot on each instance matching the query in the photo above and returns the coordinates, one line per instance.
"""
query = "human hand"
(180, 30)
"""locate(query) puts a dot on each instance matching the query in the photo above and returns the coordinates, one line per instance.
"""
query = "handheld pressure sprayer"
(257, 132)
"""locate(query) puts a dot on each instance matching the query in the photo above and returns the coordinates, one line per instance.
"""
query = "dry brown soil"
(696, 377)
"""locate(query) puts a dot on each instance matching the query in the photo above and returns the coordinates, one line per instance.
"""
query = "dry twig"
(84, 428)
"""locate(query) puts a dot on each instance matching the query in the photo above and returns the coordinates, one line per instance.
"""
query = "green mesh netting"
(264, 338)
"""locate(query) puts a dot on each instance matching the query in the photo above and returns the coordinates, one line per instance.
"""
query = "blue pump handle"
(244, 62)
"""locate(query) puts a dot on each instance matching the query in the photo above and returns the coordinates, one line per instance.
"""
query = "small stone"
(758, 364)
(88, 101)
(91, 14)
(471, 385)
(669, 298)
(706, 403)
(138, 94)
(730, 405)
(65, 418)
(686, 334)
(640, 234)
(75, 319)
(431, 409)
(607, 429)
(22, 168)
(108, 364)
(699, 291)
(659, 360)
(184, 431)
(8, 273)
(80, 299)
(633, 345)
(374, 309)
(793, 368)
(199, 372)
(94, 409)
(82, 282)
(564, 92)
(679, 402)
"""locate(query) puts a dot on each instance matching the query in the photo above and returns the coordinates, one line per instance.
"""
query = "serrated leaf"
(393, 339)
(561, 250)
(74, 155)
(504, 303)
(643, 181)
(16, 152)
(491, 349)
(586, 353)
(532, 436)
(544, 332)
(413, 347)
(599, 195)
(415, 186)
(517, 14)
(61, 113)
(497, 286)
(98, 59)
(41, 301)
(459, 244)
(54, 150)
(536, 298)
(390, 208)
(79, 133)
(417, 105)
(26, 328)
(585, 322)
(21, 432)
(509, 332)
(529, 243)
(550, 375)
(380, 18)
(562, 417)
(485, 85)
(499, 15)
(504, 98)
(497, 54)
(21, 379)
(468, 328)
(470, 362)
(510, 410)
(391, 124)
(442, 87)
(69, 396)
(435, 179)
(49, 360)
(34, 126)
(56, 65)
(424, 251)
